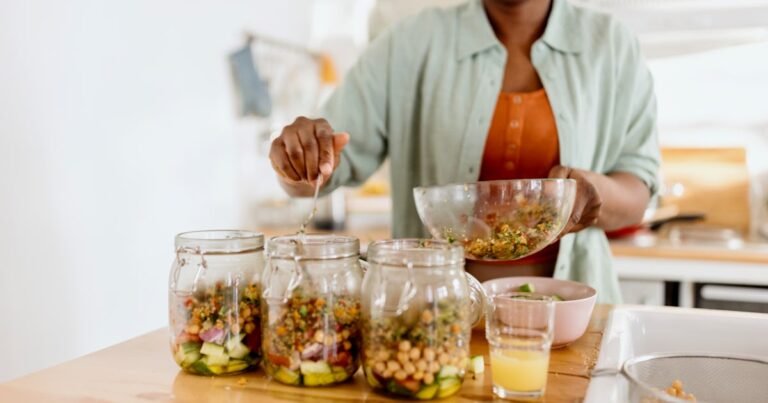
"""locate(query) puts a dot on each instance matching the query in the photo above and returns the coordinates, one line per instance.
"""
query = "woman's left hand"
(586, 208)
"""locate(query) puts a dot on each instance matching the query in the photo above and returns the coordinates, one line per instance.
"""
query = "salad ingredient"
(476, 365)
(312, 340)
(528, 287)
(423, 358)
(531, 227)
(676, 390)
(219, 328)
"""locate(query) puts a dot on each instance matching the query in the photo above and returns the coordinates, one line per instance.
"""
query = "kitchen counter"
(142, 369)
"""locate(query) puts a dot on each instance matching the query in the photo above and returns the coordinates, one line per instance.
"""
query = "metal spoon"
(303, 229)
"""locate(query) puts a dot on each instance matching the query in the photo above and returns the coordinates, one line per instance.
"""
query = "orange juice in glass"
(519, 331)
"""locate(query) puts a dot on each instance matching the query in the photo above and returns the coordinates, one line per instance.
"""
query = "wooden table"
(142, 370)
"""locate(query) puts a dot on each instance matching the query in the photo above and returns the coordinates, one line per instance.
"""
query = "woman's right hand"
(305, 149)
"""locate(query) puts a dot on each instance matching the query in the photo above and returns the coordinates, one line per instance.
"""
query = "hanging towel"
(253, 91)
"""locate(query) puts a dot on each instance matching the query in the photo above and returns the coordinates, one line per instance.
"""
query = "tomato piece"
(253, 339)
(279, 360)
(341, 359)
(411, 385)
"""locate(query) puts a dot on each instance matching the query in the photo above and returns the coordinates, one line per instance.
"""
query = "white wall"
(117, 130)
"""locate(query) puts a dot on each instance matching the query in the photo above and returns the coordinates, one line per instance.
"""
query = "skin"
(309, 147)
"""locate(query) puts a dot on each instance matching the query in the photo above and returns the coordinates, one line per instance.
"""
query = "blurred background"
(123, 123)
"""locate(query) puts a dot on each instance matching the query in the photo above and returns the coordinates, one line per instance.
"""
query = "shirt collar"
(476, 33)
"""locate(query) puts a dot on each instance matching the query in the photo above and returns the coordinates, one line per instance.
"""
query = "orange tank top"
(522, 143)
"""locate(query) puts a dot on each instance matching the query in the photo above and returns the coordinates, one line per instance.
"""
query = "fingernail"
(326, 168)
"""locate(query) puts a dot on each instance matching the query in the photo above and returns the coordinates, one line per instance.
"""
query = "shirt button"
(492, 82)
(471, 170)
(514, 124)
(517, 99)
(509, 165)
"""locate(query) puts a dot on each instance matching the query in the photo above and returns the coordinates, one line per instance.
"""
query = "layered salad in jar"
(423, 357)
(312, 340)
(217, 329)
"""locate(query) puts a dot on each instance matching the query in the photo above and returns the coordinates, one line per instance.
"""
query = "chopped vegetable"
(529, 229)
(422, 355)
(311, 340)
(527, 287)
(476, 364)
(217, 329)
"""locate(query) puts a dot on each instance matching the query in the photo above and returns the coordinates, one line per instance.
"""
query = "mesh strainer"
(712, 378)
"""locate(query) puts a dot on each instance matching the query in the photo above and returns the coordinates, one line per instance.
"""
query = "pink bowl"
(571, 316)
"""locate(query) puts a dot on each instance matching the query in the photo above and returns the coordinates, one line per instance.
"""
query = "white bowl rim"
(495, 182)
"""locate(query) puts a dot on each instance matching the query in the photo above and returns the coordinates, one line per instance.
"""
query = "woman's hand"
(610, 202)
(305, 149)
(588, 204)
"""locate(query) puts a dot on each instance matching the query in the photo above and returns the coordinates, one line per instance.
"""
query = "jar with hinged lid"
(311, 315)
(214, 301)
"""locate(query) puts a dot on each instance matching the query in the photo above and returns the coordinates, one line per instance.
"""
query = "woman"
(487, 90)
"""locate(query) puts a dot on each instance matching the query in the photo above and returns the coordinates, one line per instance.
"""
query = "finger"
(559, 171)
(340, 140)
(324, 135)
(294, 151)
(308, 142)
(280, 163)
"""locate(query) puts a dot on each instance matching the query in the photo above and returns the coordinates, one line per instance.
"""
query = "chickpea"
(329, 340)
(429, 354)
(421, 365)
(418, 375)
(393, 365)
(443, 359)
(339, 338)
(246, 312)
(319, 336)
(379, 367)
(463, 362)
(677, 384)
(345, 334)
(409, 368)
(402, 357)
(434, 367)
(405, 346)
(429, 378)
(426, 316)
(400, 375)
(415, 354)
(463, 353)
(386, 374)
(347, 345)
(249, 328)
(240, 321)
(672, 391)
(382, 355)
(193, 329)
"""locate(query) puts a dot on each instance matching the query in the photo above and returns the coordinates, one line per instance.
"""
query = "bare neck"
(518, 23)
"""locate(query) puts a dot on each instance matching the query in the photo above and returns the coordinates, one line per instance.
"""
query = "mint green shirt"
(424, 92)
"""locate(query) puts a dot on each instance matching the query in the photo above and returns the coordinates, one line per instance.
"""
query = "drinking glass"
(519, 329)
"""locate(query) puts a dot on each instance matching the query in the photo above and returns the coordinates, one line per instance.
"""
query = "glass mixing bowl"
(498, 220)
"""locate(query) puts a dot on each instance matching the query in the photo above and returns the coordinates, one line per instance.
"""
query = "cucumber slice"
(557, 298)
(287, 376)
(476, 364)
(372, 381)
(190, 346)
(200, 367)
(216, 369)
(448, 371)
(427, 392)
(339, 374)
(448, 387)
(396, 388)
(236, 366)
(220, 360)
(186, 358)
(310, 367)
(212, 349)
(318, 379)
(239, 350)
(527, 287)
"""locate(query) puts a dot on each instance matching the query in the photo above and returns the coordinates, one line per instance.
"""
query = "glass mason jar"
(419, 307)
(311, 316)
(214, 293)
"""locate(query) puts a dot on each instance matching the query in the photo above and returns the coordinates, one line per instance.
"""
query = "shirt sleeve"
(635, 99)
(359, 107)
